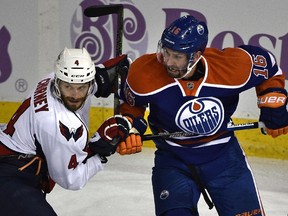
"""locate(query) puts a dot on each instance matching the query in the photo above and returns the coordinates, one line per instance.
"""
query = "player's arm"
(105, 79)
(71, 161)
(272, 101)
(133, 108)
(273, 111)
(107, 138)
(106, 74)
(269, 80)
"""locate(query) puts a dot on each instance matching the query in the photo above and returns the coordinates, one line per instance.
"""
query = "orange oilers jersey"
(203, 106)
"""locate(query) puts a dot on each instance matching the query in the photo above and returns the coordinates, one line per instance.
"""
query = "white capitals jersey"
(62, 135)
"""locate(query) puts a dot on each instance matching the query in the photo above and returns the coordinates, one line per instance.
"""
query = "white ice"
(123, 188)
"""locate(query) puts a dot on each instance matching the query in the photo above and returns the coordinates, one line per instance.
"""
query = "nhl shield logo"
(203, 116)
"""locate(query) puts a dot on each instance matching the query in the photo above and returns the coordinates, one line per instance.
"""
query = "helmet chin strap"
(189, 68)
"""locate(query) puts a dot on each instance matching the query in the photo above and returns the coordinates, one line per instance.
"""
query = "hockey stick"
(104, 10)
(230, 127)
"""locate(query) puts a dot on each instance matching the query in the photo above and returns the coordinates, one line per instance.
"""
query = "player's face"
(73, 95)
(176, 62)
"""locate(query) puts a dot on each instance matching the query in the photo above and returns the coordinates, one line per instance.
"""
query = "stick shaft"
(118, 52)
(105, 10)
(230, 127)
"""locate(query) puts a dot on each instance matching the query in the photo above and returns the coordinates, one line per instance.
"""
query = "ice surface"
(124, 189)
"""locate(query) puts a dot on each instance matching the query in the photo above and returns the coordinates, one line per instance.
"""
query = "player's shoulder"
(252, 49)
(146, 63)
(228, 53)
(228, 67)
(147, 74)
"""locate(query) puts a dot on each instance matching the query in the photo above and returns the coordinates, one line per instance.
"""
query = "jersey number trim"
(260, 61)
(10, 129)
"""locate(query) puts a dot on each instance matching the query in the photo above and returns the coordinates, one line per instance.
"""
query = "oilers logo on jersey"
(203, 116)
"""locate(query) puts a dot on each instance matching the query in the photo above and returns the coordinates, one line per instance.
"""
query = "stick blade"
(102, 10)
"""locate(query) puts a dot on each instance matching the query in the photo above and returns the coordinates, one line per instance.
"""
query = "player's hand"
(114, 130)
(106, 74)
(133, 143)
(273, 112)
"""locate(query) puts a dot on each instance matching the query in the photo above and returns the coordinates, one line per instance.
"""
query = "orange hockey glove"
(273, 111)
(133, 143)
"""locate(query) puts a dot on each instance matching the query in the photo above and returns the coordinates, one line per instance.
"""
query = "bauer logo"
(202, 116)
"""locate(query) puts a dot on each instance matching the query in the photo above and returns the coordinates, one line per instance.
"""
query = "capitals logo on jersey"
(76, 134)
(203, 116)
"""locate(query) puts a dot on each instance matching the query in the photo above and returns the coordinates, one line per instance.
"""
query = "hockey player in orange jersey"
(191, 88)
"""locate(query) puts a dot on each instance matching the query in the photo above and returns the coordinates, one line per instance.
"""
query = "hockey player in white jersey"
(47, 142)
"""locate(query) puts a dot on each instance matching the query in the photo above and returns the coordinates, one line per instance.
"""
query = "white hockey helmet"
(75, 66)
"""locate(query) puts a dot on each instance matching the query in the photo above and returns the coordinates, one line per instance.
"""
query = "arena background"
(32, 33)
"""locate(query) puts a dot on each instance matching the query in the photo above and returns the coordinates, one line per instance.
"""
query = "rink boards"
(252, 141)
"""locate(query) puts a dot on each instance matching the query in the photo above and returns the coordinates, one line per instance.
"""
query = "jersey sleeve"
(138, 83)
(125, 108)
(266, 72)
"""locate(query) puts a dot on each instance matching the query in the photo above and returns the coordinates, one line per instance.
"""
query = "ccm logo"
(77, 76)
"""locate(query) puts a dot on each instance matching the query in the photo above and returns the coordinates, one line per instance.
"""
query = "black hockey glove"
(105, 141)
(106, 74)
(273, 111)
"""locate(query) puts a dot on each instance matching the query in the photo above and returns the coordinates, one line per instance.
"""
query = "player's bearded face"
(175, 62)
(73, 95)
